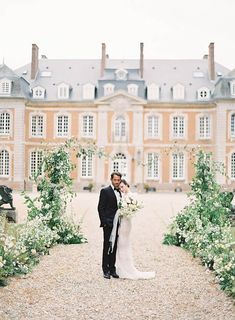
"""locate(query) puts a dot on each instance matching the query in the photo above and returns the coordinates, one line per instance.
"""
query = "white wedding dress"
(124, 257)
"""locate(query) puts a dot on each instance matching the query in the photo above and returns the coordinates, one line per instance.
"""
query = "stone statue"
(6, 198)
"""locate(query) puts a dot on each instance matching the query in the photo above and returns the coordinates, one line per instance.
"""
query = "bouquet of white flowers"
(128, 206)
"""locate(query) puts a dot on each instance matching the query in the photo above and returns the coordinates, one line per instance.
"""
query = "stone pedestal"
(11, 214)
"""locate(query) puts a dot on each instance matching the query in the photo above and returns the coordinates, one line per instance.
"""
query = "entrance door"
(120, 165)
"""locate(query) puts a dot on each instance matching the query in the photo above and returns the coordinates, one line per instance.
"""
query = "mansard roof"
(193, 74)
(20, 87)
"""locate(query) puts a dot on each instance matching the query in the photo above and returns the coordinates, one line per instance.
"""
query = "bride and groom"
(117, 260)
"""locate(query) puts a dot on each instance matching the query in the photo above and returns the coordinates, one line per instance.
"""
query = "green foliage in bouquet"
(203, 227)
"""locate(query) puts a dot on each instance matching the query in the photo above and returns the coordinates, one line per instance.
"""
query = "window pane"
(4, 163)
(153, 165)
(233, 125)
(87, 170)
(4, 123)
(233, 166)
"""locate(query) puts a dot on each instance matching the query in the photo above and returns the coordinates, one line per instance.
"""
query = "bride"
(124, 257)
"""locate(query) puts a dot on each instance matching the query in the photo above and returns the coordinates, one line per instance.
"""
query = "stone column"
(138, 143)
(102, 140)
(220, 138)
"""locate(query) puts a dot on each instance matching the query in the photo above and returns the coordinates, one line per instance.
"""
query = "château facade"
(149, 115)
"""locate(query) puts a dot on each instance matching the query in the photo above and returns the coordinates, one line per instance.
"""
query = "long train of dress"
(124, 257)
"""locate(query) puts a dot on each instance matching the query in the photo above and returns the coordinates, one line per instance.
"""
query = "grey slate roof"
(223, 88)
(19, 87)
(165, 73)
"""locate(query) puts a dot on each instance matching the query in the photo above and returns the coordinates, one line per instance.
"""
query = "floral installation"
(129, 206)
(204, 228)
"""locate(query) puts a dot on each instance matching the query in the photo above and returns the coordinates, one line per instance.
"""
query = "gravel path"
(68, 284)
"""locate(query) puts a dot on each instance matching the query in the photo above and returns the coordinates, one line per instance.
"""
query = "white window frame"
(178, 135)
(62, 134)
(159, 131)
(7, 125)
(232, 166)
(120, 161)
(179, 177)
(178, 92)
(38, 157)
(5, 87)
(232, 125)
(133, 89)
(108, 89)
(87, 167)
(203, 94)
(63, 91)
(37, 132)
(232, 88)
(38, 93)
(88, 91)
(120, 123)
(153, 92)
(151, 170)
(6, 163)
(87, 133)
(207, 134)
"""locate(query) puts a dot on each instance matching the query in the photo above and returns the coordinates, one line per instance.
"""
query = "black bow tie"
(117, 189)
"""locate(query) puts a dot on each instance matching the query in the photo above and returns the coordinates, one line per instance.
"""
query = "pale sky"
(75, 29)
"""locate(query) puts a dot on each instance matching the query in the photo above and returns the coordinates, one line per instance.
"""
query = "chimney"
(141, 60)
(34, 61)
(211, 61)
(103, 60)
(205, 57)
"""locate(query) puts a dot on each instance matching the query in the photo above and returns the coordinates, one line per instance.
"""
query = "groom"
(107, 207)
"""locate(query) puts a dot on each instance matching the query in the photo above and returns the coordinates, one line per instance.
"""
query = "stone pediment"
(122, 99)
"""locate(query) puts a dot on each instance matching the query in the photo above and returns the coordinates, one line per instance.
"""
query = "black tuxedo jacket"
(107, 206)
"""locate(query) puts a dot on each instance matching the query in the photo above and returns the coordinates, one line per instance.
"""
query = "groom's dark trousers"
(107, 208)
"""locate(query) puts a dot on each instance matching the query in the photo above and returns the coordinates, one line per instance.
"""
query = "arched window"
(133, 89)
(5, 87)
(5, 121)
(38, 92)
(178, 166)
(63, 91)
(88, 91)
(35, 163)
(233, 165)
(153, 166)
(120, 128)
(178, 92)
(232, 125)
(120, 164)
(4, 163)
(203, 94)
(108, 89)
(153, 92)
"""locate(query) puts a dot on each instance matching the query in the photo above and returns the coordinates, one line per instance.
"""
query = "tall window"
(87, 166)
(62, 126)
(178, 166)
(87, 126)
(153, 92)
(233, 165)
(63, 91)
(232, 125)
(120, 164)
(37, 126)
(153, 126)
(178, 127)
(178, 92)
(108, 89)
(232, 88)
(120, 128)
(133, 89)
(153, 166)
(5, 87)
(204, 127)
(5, 123)
(4, 163)
(35, 163)
(88, 91)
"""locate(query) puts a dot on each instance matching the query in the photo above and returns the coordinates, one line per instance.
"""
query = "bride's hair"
(125, 182)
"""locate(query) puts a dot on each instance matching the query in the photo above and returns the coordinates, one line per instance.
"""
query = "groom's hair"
(116, 174)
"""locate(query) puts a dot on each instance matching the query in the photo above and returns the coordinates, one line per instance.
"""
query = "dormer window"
(108, 89)
(232, 88)
(153, 92)
(133, 89)
(63, 91)
(178, 92)
(38, 93)
(203, 94)
(5, 87)
(121, 74)
(88, 91)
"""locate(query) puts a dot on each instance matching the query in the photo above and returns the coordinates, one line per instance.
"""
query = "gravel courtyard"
(68, 284)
